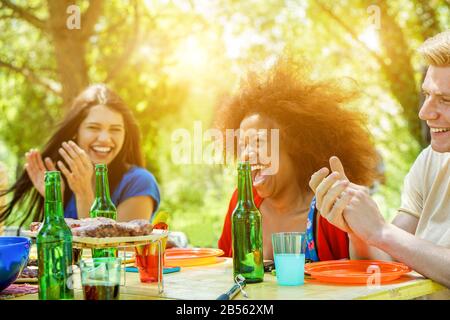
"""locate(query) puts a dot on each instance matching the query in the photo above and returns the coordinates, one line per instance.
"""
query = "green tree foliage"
(174, 61)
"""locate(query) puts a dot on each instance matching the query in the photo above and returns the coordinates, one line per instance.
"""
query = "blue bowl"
(14, 253)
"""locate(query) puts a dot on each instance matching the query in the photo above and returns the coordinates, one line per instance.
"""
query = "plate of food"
(103, 232)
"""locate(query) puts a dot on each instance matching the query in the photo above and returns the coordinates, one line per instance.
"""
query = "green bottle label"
(55, 270)
(112, 214)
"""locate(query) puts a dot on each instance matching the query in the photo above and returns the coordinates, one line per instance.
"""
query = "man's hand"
(363, 217)
(346, 205)
(332, 193)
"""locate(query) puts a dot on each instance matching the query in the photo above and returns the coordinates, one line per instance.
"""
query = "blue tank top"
(136, 181)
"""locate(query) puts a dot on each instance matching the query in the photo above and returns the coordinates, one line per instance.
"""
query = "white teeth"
(102, 149)
(257, 167)
(439, 129)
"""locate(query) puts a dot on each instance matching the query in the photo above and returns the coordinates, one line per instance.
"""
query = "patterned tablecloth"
(17, 290)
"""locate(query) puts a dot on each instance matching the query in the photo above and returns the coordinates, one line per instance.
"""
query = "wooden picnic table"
(209, 281)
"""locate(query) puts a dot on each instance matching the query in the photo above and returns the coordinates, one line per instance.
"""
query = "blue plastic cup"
(289, 255)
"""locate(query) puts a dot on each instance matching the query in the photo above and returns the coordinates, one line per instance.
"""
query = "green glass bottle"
(247, 231)
(54, 245)
(103, 206)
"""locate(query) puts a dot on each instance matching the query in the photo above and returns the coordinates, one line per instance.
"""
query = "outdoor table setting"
(99, 258)
(251, 152)
(205, 275)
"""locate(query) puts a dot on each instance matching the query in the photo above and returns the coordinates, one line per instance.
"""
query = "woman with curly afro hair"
(314, 124)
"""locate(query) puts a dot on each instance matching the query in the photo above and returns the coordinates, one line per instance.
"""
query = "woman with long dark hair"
(98, 128)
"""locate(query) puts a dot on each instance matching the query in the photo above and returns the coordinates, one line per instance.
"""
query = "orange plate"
(188, 257)
(355, 271)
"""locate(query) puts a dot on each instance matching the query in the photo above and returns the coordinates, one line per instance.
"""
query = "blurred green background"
(174, 62)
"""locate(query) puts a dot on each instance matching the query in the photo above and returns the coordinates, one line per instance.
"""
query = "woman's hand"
(79, 171)
(36, 168)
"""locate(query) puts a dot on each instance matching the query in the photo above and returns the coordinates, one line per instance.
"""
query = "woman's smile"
(100, 152)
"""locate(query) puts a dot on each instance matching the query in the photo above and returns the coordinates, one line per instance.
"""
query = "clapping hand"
(333, 192)
(36, 168)
(79, 169)
(346, 205)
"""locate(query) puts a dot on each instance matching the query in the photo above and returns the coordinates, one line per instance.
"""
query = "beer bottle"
(247, 231)
(103, 206)
(54, 245)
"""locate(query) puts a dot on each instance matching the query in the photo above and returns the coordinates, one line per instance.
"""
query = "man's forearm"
(425, 257)
(360, 250)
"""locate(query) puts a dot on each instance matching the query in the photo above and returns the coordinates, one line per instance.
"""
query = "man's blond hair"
(436, 50)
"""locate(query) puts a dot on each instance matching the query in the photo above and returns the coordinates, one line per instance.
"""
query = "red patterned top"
(332, 243)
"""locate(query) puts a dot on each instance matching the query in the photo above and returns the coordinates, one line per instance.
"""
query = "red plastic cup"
(147, 261)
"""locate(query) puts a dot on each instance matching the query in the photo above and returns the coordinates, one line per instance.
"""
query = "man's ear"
(336, 166)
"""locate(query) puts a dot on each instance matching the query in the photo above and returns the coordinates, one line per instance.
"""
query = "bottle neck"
(53, 206)
(101, 185)
(245, 190)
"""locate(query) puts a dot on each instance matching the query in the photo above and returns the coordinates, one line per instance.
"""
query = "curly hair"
(312, 118)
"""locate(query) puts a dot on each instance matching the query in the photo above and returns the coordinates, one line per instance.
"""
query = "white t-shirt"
(426, 195)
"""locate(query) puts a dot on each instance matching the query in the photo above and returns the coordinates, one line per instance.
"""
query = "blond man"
(419, 235)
